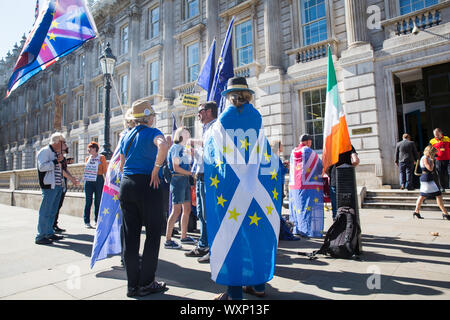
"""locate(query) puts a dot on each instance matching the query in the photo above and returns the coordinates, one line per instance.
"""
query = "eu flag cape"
(306, 192)
(107, 236)
(243, 198)
(62, 27)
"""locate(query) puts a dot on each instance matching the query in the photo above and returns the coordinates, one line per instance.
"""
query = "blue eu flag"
(243, 198)
(224, 70)
(206, 77)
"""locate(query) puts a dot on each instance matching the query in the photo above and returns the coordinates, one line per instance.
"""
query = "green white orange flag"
(336, 137)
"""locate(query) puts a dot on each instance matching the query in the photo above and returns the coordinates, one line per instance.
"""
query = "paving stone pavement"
(402, 260)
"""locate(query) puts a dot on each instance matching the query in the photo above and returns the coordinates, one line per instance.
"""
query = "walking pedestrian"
(442, 145)
(179, 162)
(142, 153)
(94, 179)
(50, 176)
(207, 114)
(306, 190)
(428, 186)
(406, 156)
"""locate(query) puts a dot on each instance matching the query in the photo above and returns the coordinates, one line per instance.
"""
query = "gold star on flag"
(315, 178)
(44, 46)
(106, 211)
(254, 219)
(233, 214)
(274, 174)
(298, 211)
(226, 150)
(218, 163)
(214, 181)
(308, 208)
(221, 201)
(275, 194)
(117, 180)
(54, 24)
(244, 144)
(52, 36)
(316, 200)
(267, 157)
(318, 189)
(257, 148)
(269, 210)
(116, 197)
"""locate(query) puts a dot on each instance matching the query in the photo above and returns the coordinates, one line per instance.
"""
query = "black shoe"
(43, 241)
(417, 215)
(58, 229)
(446, 216)
(204, 259)
(55, 237)
(197, 252)
(132, 292)
(153, 287)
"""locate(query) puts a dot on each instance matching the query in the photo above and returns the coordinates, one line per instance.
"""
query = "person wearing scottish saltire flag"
(337, 147)
(306, 190)
(60, 28)
(243, 196)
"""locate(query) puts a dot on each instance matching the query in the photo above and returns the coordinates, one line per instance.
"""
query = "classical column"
(134, 18)
(272, 34)
(356, 22)
(212, 7)
(168, 50)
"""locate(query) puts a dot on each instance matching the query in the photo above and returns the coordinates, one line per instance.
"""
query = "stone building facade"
(390, 79)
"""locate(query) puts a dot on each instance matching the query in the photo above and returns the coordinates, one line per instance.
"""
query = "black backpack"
(342, 238)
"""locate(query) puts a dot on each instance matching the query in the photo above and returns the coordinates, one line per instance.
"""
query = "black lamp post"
(107, 61)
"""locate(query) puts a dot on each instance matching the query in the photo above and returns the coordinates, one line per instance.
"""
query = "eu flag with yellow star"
(63, 26)
(306, 192)
(107, 236)
(243, 198)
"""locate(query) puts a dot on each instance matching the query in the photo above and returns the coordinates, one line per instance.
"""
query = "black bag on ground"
(341, 240)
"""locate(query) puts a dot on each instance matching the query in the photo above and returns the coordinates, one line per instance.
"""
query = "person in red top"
(442, 144)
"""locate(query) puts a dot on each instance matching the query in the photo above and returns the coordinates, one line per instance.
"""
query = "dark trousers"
(406, 174)
(442, 171)
(55, 224)
(141, 206)
(92, 188)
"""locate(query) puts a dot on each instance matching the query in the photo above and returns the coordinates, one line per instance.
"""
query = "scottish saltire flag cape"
(224, 70)
(336, 138)
(306, 192)
(206, 76)
(107, 236)
(60, 28)
(243, 198)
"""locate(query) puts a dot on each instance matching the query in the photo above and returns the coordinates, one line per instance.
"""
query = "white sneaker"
(88, 226)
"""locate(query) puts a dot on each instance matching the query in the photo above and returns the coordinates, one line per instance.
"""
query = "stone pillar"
(168, 50)
(355, 20)
(212, 7)
(272, 34)
(134, 76)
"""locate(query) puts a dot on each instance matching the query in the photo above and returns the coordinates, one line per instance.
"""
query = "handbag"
(167, 174)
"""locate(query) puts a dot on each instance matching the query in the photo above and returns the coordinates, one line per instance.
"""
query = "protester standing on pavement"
(406, 156)
(94, 179)
(207, 115)
(428, 186)
(50, 175)
(64, 164)
(442, 145)
(179, 162)
(142, 153)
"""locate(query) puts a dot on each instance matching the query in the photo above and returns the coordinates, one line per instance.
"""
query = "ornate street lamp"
(107, 61)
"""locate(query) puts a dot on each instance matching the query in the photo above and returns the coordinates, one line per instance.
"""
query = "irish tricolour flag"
(336, 137)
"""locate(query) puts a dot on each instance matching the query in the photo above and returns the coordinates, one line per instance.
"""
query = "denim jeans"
(406, 174)
(201, 213)
(47, 212)
(333, 201)
(235, 292)
(91, 188)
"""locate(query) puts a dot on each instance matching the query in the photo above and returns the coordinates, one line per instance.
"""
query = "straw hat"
(237, 84)
(140, 109)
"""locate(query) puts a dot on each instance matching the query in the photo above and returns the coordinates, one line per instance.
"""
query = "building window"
(153, 78)
(192, 62)
(50, 120)
(314, 113)
(189, 124)
(80, 107)
(244, 43)
(124, 89)
(407, 6)
(75, 151)
(314, 21)
(124, 40)
(94, 139)
(190, 9)
(65, 76)
(100, 92)
(154, 22)
(82, 65)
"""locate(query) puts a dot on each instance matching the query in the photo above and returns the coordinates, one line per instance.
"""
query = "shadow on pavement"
(83, 244)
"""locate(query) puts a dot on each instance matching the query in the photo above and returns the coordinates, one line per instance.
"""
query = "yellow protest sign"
(190, 100)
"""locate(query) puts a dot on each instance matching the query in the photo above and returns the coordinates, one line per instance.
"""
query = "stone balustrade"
(314, 51)
(187, 88)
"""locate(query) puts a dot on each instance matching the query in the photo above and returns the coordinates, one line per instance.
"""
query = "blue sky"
(16, 18)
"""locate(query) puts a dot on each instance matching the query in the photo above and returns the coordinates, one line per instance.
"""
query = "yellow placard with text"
(190, 100)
